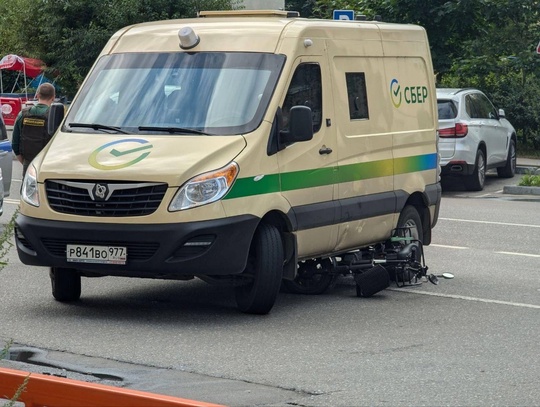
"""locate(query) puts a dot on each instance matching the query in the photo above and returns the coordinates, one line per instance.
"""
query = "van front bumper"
(214, 247)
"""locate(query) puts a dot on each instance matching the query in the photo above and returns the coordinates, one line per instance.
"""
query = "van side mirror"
(501, 114)
(56, 115)
(300, 126)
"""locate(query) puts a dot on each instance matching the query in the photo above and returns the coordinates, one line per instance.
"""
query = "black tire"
(264, 271)
(66, 284)
(475, 181)
(408, 218)
(313, 278)
(509, 170)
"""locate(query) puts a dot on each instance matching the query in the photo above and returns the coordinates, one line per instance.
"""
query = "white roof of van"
(252, 32)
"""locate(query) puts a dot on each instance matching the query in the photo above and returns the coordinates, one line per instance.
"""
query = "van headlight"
(29, 192)
(205, 188)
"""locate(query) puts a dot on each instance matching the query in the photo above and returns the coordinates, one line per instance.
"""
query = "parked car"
(474, 137)
(6, 163)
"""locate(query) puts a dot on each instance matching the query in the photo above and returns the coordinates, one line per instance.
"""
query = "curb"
(518, 190)
(522, 190)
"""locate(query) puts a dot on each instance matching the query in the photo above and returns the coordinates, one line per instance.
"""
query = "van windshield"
(214, 93)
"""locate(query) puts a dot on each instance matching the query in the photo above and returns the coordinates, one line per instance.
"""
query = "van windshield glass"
(204, 93)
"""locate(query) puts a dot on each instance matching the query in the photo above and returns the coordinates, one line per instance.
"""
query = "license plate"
(81, 253)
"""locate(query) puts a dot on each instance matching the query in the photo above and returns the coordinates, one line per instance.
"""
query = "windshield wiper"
(172, 130)
(97, 126)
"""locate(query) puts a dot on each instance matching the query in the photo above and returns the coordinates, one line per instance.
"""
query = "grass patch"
(530, 180)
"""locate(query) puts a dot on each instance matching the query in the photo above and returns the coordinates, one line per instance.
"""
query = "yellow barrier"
(43, 390)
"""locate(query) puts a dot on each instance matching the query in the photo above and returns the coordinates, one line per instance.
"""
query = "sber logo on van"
(120, 154)
(409, 94)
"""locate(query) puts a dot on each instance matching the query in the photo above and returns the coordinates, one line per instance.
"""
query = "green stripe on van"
(311, 178)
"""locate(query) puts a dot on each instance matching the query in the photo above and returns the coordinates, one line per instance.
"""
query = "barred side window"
(357, 95)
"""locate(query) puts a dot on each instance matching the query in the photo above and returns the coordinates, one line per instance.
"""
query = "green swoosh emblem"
(117, 153)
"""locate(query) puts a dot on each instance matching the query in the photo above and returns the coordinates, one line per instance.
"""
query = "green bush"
(529, 180)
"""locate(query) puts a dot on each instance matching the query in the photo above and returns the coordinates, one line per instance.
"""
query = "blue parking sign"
(343, 15)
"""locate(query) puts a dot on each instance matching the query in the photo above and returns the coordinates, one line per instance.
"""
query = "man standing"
(30, 128)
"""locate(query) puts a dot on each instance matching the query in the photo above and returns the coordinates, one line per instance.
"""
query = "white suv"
(474, 137)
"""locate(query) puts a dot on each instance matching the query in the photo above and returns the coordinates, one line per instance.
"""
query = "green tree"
(503, 63)
(448, 23)
(69, 34)
(304, 7)
(487, 44)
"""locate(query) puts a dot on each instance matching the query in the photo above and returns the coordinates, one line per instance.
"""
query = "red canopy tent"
(29, 66)
(12, 103)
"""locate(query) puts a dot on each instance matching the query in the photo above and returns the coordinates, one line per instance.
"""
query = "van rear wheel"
(408, 219)
(66, 284)
(263, 273)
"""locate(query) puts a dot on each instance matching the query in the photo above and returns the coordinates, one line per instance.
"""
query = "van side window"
(305, 89)
(357, 94)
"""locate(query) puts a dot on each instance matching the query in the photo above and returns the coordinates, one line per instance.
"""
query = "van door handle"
(325, 150)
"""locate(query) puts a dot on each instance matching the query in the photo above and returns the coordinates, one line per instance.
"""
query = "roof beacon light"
(188, 38)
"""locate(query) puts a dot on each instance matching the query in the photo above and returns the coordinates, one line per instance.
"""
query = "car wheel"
(509, 170)
(263, 274)
(66, 284)
(475, 181)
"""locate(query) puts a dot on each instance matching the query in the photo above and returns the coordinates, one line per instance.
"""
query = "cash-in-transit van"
(251, 148)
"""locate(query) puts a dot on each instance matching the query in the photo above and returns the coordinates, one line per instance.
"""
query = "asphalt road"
(472, 340)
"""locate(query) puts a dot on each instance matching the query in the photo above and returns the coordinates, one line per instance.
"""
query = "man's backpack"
(34, 135)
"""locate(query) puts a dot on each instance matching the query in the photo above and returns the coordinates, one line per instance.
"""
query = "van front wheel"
(66, 284)
(258, 293)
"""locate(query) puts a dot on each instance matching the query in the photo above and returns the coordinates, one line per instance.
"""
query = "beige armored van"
(251, 148)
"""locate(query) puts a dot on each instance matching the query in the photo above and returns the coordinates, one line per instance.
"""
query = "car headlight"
(29, 192)
(205, 188)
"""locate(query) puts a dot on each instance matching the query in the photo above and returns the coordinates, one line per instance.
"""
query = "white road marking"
(12, 201)
(448, 247)
(444, 246)
(463, 297)
(520, 254)
(491, 223)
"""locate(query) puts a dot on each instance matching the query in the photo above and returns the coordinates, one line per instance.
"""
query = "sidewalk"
(526, 165)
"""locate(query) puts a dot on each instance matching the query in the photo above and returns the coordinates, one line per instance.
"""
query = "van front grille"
(107, 199)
